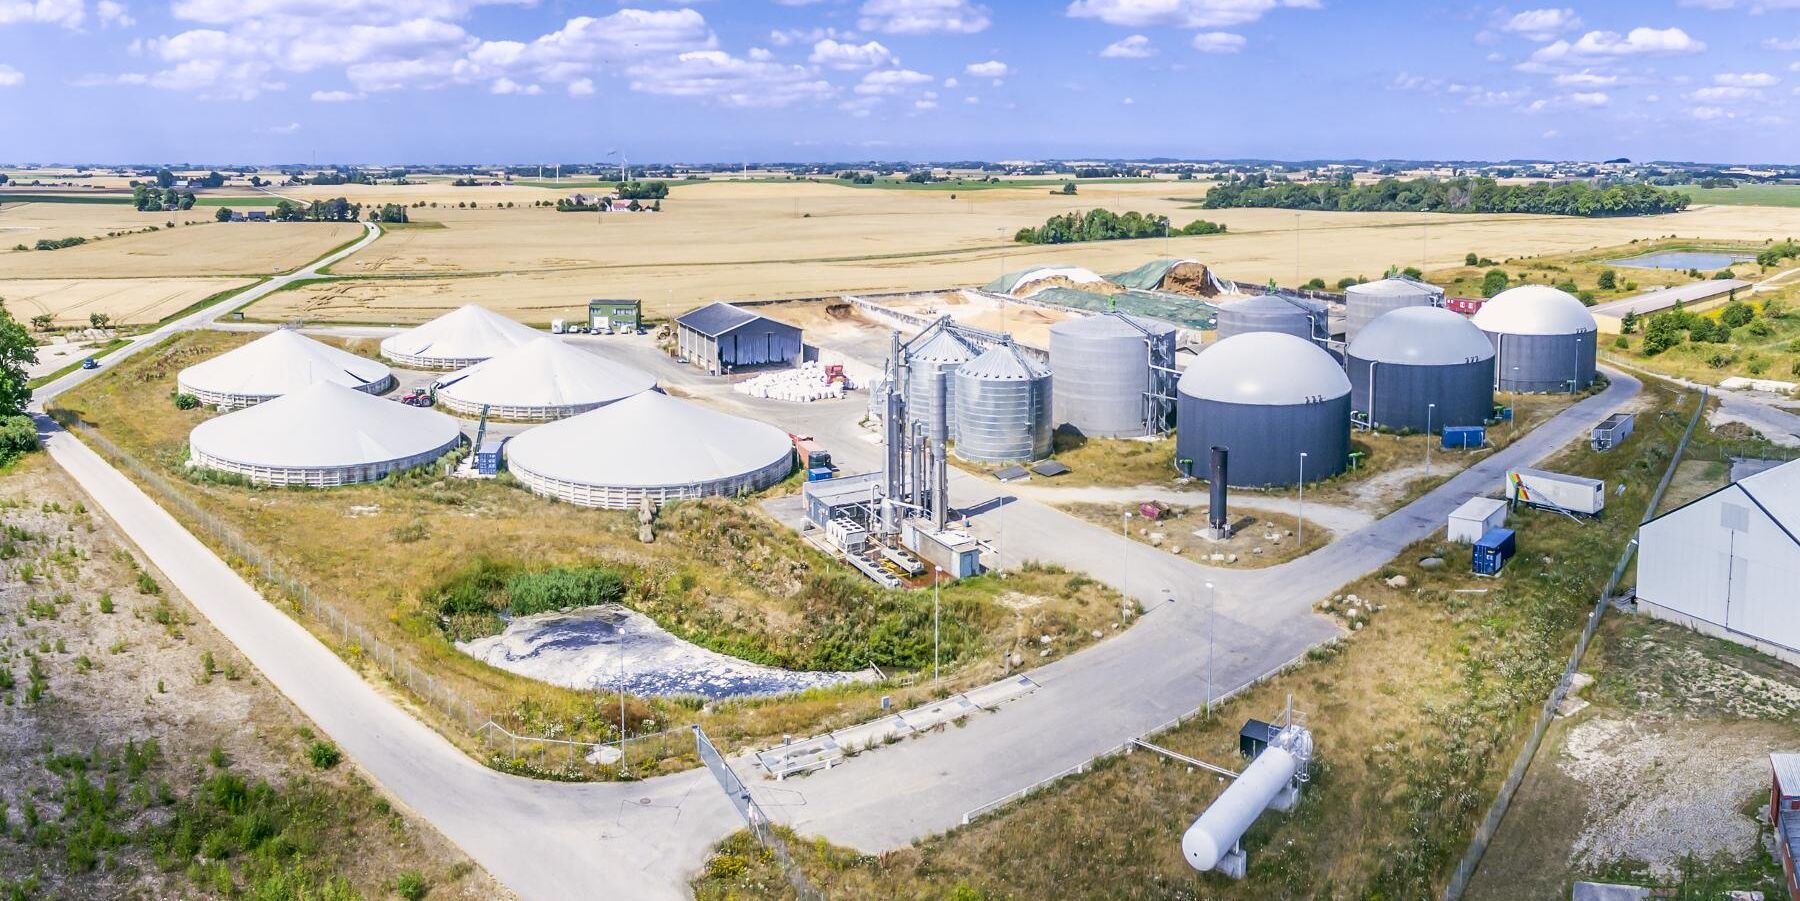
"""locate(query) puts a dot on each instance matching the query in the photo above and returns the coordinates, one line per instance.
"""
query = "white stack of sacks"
(802, 384)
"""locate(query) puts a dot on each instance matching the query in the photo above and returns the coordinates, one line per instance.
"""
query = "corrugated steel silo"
(1366, 302)
(1409, 359)
(1543, 338)
(1002, 407)
(1286, 313)
(1107, 376)
(1270, 397)
(930, 363)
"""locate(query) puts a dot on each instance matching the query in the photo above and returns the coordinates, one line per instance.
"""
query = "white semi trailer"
(1555, 491)
(1272, 780)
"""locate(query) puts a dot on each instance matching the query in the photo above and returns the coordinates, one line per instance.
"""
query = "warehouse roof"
(1775, 491)
(281, 362)
(1534, 310)
(466, 333)
(545, 373)
(1003, 362)
(1264, 368)
(648, 440)
(323, 426)
(716, 319)
(1421, 336)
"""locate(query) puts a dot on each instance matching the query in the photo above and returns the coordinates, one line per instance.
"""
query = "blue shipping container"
(1464, 436)
(818, 474)
(1492, 551)
(487, 457)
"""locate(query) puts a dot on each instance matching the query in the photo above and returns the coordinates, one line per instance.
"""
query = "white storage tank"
(1544, 339)
(1367, 302)
(322, 436)
(1420, 368)
(1113, 377)
(1268, 397)
(541, 381)
(1002, 407)
(458, 339)
(281, 362)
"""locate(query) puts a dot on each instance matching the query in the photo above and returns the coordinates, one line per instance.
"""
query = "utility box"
(1612, 430)
(1255, 737)
(1475, 518)
(1464, 437)
(1492, 551)
(818, 473)
(488, 457)
(1555, 491)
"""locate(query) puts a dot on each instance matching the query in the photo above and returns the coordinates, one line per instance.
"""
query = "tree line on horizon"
(1456, 195)
(1106, 225)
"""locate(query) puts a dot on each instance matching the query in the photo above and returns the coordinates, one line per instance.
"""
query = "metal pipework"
(1217, 516)
(940, 453)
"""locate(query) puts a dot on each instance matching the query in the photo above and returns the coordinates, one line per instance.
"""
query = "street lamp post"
(1212, 613)
(935, 573)
(1302, 531)
(1429, 408)
(621, 697)
(1125, 556)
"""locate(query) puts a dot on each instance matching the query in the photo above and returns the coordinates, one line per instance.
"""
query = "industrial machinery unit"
(1002, 407)
(1115, 375)
(1281, 766)
(1555, 491)
(1281, 404)
(1612, 430)
(1277, 312)
(1369, 301)
(1421, 368)
(1543, 339)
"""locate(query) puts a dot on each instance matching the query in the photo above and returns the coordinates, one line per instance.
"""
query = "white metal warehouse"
(1727, 563)
(649, 445)
(458, 339)
(281, 362)
(537, 382)
(322, 436)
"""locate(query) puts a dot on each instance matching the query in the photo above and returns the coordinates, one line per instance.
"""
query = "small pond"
(581, 649)
(1683, 260)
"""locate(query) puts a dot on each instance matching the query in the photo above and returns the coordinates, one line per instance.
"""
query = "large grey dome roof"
(1292, 304)
(1266, 368)
(1396, 286)
(1421, 336)
(1111, 325)
(1534, 310)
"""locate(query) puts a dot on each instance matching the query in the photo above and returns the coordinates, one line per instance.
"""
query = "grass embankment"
(1767, 346)
(1416, 715)
(719, 573)
(1582, 269)
(1250, 546)
(97, 353)
(1746, 195)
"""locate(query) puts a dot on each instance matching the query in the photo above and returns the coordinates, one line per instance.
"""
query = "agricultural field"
(207, 248)
(127, 301)
(141, 757)
(420, 561)
(28, 222)
(1747, 195)
(1446, 671)
(748, 239)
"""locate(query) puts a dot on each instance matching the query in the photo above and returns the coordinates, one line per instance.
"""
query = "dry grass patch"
(207, 248)
(1250, 546)
(128, 301)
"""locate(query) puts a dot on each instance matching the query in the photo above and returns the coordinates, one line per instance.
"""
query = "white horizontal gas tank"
(1218, 829)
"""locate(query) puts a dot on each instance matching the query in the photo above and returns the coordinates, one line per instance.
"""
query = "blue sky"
(727, 80)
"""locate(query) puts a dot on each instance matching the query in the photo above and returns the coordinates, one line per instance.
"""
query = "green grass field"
(1747, 195)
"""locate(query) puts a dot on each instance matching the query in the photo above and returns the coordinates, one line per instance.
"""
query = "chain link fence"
(758, 821)
(1490, 824)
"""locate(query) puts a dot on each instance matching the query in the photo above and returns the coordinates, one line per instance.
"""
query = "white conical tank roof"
(323, 426)
(1421, 336)
(281, 362)
(466, 333)
(545, 373)
(1534, 310)
(944, 347)
(1264, 368)
(648, 440)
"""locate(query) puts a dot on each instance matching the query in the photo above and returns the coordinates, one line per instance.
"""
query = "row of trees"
(337, 209)
(1457, 195)
(148, 199)
(643, 190)
(1105, 225)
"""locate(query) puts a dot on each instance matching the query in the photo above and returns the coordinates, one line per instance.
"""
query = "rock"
(1156, 539)
(1044, 653)
(1098, 633)
(1175, 549)
(1325, 605)
(1043, 639)
(1352, 599)
(1290, 533)
(1230, 558)
(1397, 582)
(1351, 613)
(1217, 557)
(1356, 626)
(1579, 683)
(1256, 550)
(1432, 563)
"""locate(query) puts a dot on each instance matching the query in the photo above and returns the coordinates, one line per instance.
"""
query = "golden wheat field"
(127, 301)
(26, 223)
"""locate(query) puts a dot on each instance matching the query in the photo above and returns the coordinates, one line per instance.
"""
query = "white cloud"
(10, 77)
(1551, 134)
(1218, 42)
(923, 17)
(972, 100)
(581, 87)
(762, 54)
(925, 104)
(327, 13)
(1782, 43)
(1746, 79)
(505, 85)
(1586, 78)
(335, 96)
(288, 129)
(993, 68)
(1136, 46)
(890, 81)
(1180, 13)
(724, 79)
(67, 13)
(950, 82)
(850, 57)
(784, 37)
(1542, 24)
(1589, 98)
(1128, 101)
(113, 14)
(1604, 45)
(1709, 113)
(1723, 94)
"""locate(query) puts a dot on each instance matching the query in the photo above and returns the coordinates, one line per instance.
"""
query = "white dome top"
(1421, 336)
(1534, 310)
(1396, 286)
(1268, 368)
(322, 427)
(466, 333)
(648, 440)
(281, 362)
(545, 373)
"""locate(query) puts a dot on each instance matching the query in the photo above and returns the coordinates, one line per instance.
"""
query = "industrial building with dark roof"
(719, 337)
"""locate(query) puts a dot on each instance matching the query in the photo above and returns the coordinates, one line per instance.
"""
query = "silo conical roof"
(944, 347)
(1421, 336)
(323, 426)
(545, 373)
(467, 333)
(648, 440)
(281, 362)
(1534, 310)
(1005, 361)
(1264, 368)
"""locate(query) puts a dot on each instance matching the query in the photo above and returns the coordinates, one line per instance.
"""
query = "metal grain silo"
(1543, 339)
(1366, 302)
(1407, 360)
(1114, 375)
(929, 364)
(1286, 313)
(1002, 407)
(1270, 397)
